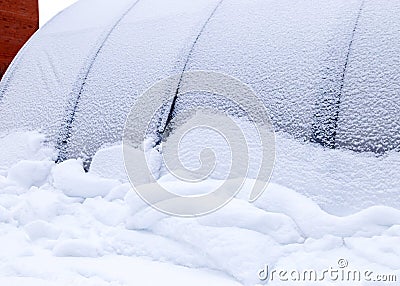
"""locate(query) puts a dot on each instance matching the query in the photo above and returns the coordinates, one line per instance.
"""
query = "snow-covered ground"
(62, 226)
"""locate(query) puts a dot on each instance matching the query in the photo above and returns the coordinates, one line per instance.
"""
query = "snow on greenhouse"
(327, 72)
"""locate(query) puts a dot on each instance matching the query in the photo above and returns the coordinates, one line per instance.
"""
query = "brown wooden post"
(19, 19)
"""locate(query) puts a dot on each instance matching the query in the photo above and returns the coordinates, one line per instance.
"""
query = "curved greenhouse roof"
(328, 71)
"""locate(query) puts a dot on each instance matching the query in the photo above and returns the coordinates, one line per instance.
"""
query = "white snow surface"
(62, 226)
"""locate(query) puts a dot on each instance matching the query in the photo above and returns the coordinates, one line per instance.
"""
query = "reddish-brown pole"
(19, 19)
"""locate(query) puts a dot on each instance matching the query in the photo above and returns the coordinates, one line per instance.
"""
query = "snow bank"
(58, 215)
(92, 230)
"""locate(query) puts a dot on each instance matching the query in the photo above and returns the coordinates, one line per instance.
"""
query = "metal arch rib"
(77, 90)
(339, 98)
(161, 130)
(324, 130)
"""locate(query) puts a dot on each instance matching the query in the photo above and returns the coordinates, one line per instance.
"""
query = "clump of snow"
(5, 215)
(75, 248)
(108, 162)
(108, 213)
(70, 177)
(41, 229)
(30, 173)
(119, 192)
